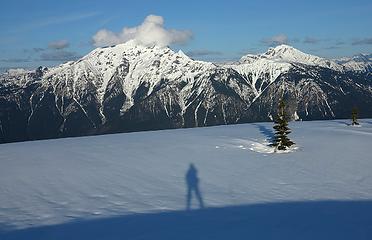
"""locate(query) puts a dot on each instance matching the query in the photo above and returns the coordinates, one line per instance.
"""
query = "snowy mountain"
(361, 62)
(287, 54)
(134, 186)
(129, 87)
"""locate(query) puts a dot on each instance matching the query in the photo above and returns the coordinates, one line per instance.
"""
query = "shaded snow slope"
(51, 182)
(290, 220)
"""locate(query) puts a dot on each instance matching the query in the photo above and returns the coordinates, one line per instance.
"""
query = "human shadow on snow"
(286, 220)
(192, 181)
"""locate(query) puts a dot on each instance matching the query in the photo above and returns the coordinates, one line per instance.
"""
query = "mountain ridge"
(130, 87)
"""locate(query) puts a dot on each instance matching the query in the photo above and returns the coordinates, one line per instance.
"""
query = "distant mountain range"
(129, 87)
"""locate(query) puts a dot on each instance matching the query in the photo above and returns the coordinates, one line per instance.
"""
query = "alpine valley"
(130, 87)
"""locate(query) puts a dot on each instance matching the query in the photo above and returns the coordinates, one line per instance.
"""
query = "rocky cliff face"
(129, 87)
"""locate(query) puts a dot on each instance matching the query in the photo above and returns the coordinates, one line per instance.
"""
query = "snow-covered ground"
(132, 186)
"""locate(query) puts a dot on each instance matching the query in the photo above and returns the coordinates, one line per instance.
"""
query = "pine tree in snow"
(354, 117)
(281, 140)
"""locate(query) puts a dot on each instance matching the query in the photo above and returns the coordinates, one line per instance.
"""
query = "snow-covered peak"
(360, 62)
(288, 54)
(21, 77)
(282, 51)
(147, 65)
(182, 54)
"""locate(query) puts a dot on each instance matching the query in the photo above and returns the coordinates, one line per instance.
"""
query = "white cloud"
(276, 40)
(363, 41)
(150, 32)
(59, 55)
(60, 44)
(311, 40)
(203, 53)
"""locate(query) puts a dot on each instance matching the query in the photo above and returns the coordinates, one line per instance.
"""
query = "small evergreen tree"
(354, 117)
(281, 140)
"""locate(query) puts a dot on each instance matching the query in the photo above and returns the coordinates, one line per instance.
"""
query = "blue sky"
(34, 33)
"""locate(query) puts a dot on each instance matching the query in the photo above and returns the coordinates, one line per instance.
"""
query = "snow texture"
(132, 186)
